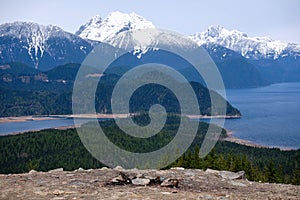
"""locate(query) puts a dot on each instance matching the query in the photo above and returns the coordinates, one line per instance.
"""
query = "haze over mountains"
(243, 61)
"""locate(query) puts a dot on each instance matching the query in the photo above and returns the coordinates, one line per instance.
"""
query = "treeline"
(50, 149)
(274, 168)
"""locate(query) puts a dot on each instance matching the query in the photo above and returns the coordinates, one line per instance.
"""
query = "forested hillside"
(50, 149)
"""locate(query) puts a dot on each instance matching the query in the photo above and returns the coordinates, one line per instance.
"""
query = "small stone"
(56, 170)
(140, 181)
(207, 196)
(32, 171)
(58, 192)
(170, 182)
(166, 192)
(177, 168)
(119, 168)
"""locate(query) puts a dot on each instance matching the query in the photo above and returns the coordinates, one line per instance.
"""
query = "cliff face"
(177, 183)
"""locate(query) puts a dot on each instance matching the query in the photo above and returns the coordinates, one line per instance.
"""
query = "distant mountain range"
(249, 47)
(243, 61)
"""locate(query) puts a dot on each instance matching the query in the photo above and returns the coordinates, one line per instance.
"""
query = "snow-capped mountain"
(40, 46)
(255, 48)
(249, 47)
(132, 33)
(45, 47)
(141, 41)
(116, 22)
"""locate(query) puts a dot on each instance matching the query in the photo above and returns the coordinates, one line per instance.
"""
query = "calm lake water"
(13, 127)
(270, 116)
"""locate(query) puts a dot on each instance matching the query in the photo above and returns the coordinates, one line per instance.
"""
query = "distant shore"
(53, 117)
(103, 116)
(230, 134)
(213, 117)
(230, 138)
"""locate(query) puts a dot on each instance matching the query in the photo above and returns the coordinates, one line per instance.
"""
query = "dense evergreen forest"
(27, 91)
(50, 149)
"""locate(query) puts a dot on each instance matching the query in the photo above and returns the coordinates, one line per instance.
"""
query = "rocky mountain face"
(118, 183)
(236, 71)
(41, 47)
(250, 47)
(277, 61)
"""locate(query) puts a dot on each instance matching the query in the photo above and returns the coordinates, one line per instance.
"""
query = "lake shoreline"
(99, 116)
(213, 117)
(54, 117)
(37, 130)
(230, 138)
(230, 134)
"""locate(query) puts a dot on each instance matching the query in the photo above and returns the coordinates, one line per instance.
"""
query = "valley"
(234, 97)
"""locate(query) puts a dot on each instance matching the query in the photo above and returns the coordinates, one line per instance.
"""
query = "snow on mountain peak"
(35, 35)
(249, 47)
(142, 40)
(116, 22)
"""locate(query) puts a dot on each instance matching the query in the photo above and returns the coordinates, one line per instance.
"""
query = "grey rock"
(232, 175)
(140, 181)
(56, 170)
(32, 171)
(211, 171)
(207, 196)
(227, 174)
(119, 168)
(177, 168)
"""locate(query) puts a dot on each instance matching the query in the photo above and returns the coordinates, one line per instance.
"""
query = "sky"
(278, 19)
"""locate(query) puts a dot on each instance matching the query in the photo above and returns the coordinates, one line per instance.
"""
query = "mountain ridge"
(249, 47)
(41, 46)
(44, 47)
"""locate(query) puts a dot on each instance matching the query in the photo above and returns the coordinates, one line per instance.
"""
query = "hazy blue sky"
(279, 19)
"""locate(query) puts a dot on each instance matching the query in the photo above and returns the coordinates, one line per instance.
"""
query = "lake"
(15, 127)
(270, 115)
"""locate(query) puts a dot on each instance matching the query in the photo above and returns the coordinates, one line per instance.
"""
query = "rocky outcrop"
(227, 174)
(118, 183)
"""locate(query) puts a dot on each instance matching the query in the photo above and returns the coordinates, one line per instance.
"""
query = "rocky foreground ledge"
(118, 183)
